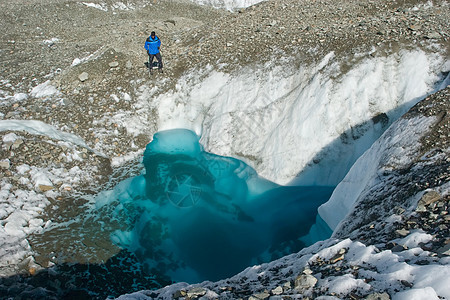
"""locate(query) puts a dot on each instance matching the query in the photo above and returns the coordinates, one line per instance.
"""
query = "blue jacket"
(152, 45)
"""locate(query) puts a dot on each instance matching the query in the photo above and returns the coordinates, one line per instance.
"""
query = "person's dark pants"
(158, 58)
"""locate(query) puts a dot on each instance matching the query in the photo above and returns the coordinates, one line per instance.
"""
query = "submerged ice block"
(195, 215)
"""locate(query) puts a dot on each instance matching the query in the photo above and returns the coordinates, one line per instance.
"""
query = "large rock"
(304, 282)
(5, 164)
(430, 197)
(196, 292)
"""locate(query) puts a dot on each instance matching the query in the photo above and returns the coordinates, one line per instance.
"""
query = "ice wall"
(396, 149)
(195, 215)
(300, 126)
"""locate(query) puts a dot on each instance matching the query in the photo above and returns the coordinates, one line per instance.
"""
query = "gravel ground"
(40, 41)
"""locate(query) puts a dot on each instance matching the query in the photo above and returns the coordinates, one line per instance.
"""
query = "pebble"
(277, 291)
(378, 296)
(402, 232)
(114, 64)
(399, 248)
(259, 296)
(179, 294)
(45, 188)
(83, 76)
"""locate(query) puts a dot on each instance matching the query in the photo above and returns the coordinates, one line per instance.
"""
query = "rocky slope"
(60, 41)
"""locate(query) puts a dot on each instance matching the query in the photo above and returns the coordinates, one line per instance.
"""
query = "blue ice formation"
(197, 216)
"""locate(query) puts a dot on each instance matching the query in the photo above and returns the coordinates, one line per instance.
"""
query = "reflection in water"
(195, 215)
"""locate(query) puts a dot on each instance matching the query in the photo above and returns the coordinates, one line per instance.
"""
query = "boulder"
(304, 282)
(83, 76)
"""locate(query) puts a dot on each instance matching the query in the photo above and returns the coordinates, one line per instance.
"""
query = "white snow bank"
(427, 293)
(44, 90)
(20, 213)
(282, 121)
(41, 128)
(396, 147)
(101, 6)
(415, 238)
(20, 97)
(227, 4)
(119, 5)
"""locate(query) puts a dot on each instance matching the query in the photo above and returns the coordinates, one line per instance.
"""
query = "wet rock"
(399, 248)
(7, 145)
(445, 250)
(421, 207)
(287, 286)
(406, 283)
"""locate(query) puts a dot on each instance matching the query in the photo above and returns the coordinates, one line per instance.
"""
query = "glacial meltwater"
(197, 216)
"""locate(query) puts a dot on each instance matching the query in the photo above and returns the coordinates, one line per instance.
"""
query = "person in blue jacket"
(152, 45)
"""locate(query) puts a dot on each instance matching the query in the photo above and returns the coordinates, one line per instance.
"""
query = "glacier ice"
(195, 215)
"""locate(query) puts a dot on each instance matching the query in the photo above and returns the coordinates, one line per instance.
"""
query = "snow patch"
(101, 6)
(415, 238)
(44, 90)
(41, 128)
(116, 5)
